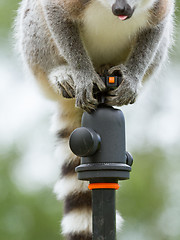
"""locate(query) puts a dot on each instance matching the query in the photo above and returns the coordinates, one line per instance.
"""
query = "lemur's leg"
(77, 220)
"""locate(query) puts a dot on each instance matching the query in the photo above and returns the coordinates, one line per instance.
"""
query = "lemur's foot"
(85, 90)
(62, 81)
(127, 91)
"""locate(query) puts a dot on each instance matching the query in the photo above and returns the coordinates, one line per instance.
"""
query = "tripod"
(100, 143)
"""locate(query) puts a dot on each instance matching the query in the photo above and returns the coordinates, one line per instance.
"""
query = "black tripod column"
(100, 143)
(104, 214)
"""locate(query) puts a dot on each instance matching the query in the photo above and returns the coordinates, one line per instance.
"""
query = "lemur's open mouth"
(123, 17)
(122, 10)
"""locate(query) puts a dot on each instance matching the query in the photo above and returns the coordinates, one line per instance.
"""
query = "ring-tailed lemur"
(67, 44)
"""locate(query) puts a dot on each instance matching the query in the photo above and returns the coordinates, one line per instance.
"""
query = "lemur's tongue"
(122, 17)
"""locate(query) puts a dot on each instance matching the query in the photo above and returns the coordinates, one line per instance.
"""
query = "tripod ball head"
(100, 143)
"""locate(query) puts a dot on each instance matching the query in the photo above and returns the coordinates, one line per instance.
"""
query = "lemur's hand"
(127, 91)
(86, 83)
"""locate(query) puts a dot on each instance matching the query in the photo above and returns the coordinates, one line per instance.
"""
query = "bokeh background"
(149, 201)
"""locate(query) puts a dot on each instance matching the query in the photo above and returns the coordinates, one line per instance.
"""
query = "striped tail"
(77, 221)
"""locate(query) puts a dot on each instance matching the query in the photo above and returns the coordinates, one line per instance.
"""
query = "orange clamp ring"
(103, 185)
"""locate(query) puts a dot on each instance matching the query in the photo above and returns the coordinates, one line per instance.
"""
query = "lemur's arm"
(144, 51)
(133, 70)
(66, 35)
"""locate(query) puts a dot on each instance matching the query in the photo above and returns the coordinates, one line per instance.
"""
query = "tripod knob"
(129, 159)
(84, 142)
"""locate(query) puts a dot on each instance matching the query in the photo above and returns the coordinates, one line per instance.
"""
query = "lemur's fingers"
(116, 101)
(67, 92)
(85, 100)
(100, 84)
(116, 71)
(133, 100)
(87, 107)
(103, 70)
(67, 88)
(90, 99)
(64, 93)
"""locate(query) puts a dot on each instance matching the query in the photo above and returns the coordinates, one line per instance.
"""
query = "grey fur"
(67, 52)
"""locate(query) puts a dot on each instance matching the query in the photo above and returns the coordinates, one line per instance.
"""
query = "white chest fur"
(105, 36)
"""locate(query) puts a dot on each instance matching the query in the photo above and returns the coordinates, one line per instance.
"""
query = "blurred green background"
(149, 201)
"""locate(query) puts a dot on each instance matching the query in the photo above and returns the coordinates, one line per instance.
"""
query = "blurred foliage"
(36, 215)
(25, 215)
(141, 199)
(7, 14)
